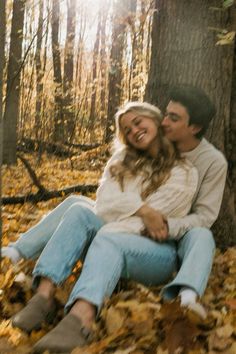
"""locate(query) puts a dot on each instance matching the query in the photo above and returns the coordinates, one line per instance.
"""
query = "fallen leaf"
(225, 331)
(114, 320)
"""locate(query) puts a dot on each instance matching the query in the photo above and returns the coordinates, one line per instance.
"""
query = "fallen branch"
(46, 195)
(32, 174)
(61, 150)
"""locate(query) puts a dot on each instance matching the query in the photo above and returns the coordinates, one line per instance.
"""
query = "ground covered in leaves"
(134, 320)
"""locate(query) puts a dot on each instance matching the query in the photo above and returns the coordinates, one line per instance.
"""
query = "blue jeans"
(71, 232)
(32, 242)
(196, 251)
(107, 257)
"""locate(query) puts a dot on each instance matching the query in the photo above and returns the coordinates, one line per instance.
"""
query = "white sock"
(187, 296)
(188, 299)
(12, 253)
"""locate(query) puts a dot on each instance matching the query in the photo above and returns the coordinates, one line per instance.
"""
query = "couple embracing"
(159, 195)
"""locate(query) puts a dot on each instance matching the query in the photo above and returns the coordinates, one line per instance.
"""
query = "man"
(187, 117)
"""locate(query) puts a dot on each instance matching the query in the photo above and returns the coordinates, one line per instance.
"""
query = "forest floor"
(135, 320)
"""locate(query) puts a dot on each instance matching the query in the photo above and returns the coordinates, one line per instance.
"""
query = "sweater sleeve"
(207, 205)
(112, 203)
(174, 198)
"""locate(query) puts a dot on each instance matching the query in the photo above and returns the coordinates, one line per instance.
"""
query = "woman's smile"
(140, 131)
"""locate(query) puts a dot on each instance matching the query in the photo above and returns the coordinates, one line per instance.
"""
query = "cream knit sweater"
(212, 169)
(117, 207)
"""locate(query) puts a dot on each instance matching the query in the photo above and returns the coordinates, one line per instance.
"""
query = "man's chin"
(169, 137)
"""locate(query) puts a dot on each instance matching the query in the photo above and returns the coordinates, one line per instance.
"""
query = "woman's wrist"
(143, 211)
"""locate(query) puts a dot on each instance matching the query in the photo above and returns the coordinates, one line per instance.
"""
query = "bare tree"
(92, 115)
(2, 61)
(39, 73)
(69, 116)
(103, 62)
(58, 116)
(115, 69)
(13, 83)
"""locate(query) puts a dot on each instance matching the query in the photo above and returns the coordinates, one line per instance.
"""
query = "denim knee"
(109, 241)
(202, 235)
(71, 199)
(77, 211)
(199, 237)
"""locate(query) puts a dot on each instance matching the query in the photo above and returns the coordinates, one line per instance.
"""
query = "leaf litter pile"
(135, 320)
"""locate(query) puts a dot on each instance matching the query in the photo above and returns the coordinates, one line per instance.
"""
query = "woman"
(117, 237)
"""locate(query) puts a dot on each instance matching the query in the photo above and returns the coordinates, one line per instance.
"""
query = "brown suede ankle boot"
(66, 336)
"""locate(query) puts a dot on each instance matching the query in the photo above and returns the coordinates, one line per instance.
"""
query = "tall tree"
(103, 62)
(56, 55)
(132, 19)
(69, 116)
(39, 72)
(2, 61)
(115, 70)
(11, 114)
(92, 115)
(184, 51)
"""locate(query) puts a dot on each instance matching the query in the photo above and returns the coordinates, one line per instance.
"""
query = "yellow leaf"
(225, 331)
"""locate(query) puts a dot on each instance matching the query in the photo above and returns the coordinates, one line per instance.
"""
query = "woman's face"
(140, 132)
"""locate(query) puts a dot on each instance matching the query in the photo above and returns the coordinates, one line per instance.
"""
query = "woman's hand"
(155, 223)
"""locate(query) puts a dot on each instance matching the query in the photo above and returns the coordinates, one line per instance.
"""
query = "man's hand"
(155, 223)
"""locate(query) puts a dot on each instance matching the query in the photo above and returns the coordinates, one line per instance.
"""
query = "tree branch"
(46, 195)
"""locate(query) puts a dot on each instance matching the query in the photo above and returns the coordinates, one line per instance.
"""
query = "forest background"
(65, 67)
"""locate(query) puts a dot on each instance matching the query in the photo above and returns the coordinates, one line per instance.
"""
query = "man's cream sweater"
(212, 170)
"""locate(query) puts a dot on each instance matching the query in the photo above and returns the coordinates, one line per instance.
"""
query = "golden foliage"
(134, 320)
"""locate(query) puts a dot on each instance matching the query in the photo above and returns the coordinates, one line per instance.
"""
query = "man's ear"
(195, 128)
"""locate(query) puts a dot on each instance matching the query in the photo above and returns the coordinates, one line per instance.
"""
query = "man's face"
(176, 123)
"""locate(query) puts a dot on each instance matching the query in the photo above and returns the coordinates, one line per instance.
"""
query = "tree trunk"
(103, 64)
(92, 115)
(132, 85)
(39, 74)
(58, 115)
(69, 114)
(115, 70)
(11, 114)
(2, 62)
(184, 51)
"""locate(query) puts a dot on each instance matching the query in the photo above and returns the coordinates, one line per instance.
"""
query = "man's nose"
(165, 121)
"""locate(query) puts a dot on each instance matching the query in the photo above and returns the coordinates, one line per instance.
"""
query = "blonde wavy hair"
(156, 170)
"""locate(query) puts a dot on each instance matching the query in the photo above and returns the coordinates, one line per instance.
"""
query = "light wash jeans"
(71, 232)
(196, 250)
(32, 242)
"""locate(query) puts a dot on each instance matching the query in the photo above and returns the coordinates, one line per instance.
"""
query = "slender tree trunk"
(184, 51)
(103, 63)
(115, 70)
(92, 115)
(134, 51)
(69, 114)
(39, 74)
(11, 114)
(2, 62)
(58, 116)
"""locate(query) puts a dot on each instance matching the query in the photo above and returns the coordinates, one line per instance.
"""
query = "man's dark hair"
(198, 105)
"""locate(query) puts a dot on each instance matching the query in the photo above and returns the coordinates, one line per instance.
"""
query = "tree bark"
(184, 51)
(58, 116)
(92, 115)
(11, 114)
(103, 64)
(39, 73)
(69, 114)
(115, 70)
(2, 62)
